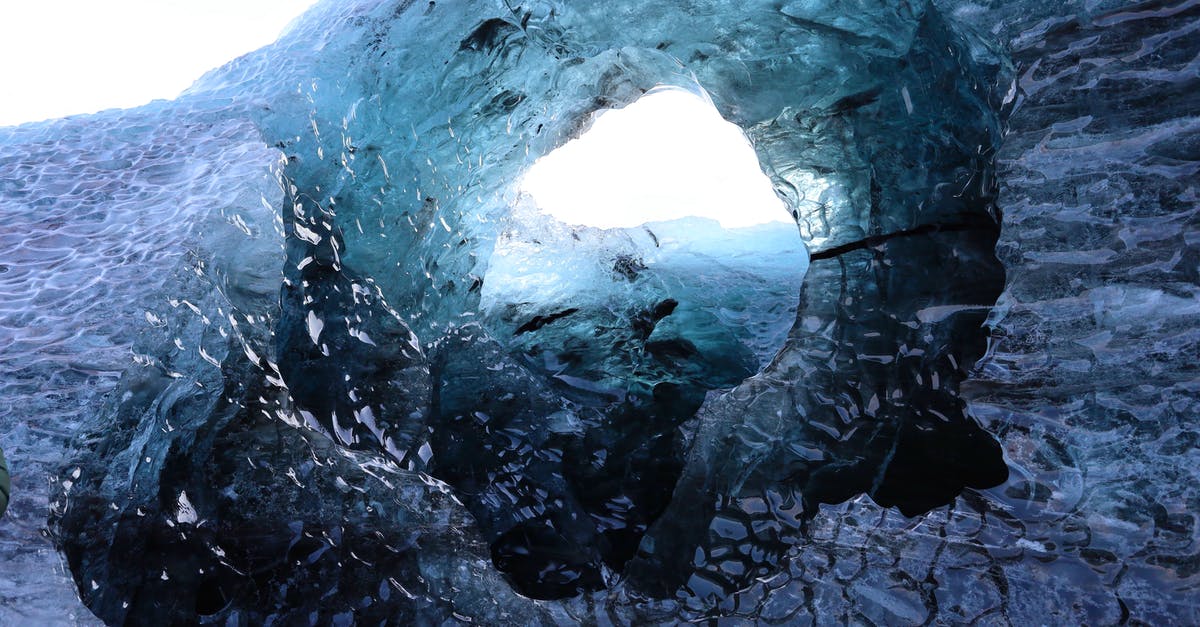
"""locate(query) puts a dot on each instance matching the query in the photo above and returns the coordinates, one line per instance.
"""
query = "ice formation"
(294, 347)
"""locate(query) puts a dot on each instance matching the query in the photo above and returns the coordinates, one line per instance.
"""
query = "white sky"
(668, 155)
(61, 57)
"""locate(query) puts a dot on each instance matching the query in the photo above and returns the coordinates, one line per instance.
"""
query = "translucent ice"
(363, 379)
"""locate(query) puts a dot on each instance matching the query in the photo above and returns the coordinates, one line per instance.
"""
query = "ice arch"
(660, 201)
(400, 127)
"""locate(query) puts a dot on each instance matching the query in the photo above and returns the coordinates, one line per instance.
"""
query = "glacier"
(294, 347)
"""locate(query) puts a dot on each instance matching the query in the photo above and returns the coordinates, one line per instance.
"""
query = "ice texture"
(293, 348)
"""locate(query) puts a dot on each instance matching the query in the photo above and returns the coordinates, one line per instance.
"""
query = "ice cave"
(882, 312)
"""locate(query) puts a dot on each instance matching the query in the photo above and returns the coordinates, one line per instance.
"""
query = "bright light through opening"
(668, 155)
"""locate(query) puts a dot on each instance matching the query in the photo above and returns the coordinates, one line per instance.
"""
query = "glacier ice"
(294, 347)
(5, 484)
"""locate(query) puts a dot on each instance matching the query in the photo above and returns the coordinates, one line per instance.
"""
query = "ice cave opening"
(666, 156)
(644, 264)
(661, 201)
(457, 397)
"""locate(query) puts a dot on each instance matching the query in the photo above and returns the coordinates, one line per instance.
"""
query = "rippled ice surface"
(98, 217)
(150, 239)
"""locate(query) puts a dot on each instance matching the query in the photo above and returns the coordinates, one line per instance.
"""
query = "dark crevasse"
(342, 429)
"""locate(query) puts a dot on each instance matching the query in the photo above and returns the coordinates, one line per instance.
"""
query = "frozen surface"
(101, 215)
(276, 350)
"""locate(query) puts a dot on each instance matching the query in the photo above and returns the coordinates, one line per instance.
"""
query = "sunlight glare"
(666, 156)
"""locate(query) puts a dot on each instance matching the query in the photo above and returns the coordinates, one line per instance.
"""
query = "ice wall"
(322, 423)
(1092, 383)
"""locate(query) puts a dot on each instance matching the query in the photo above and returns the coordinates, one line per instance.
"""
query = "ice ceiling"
(372, 381)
